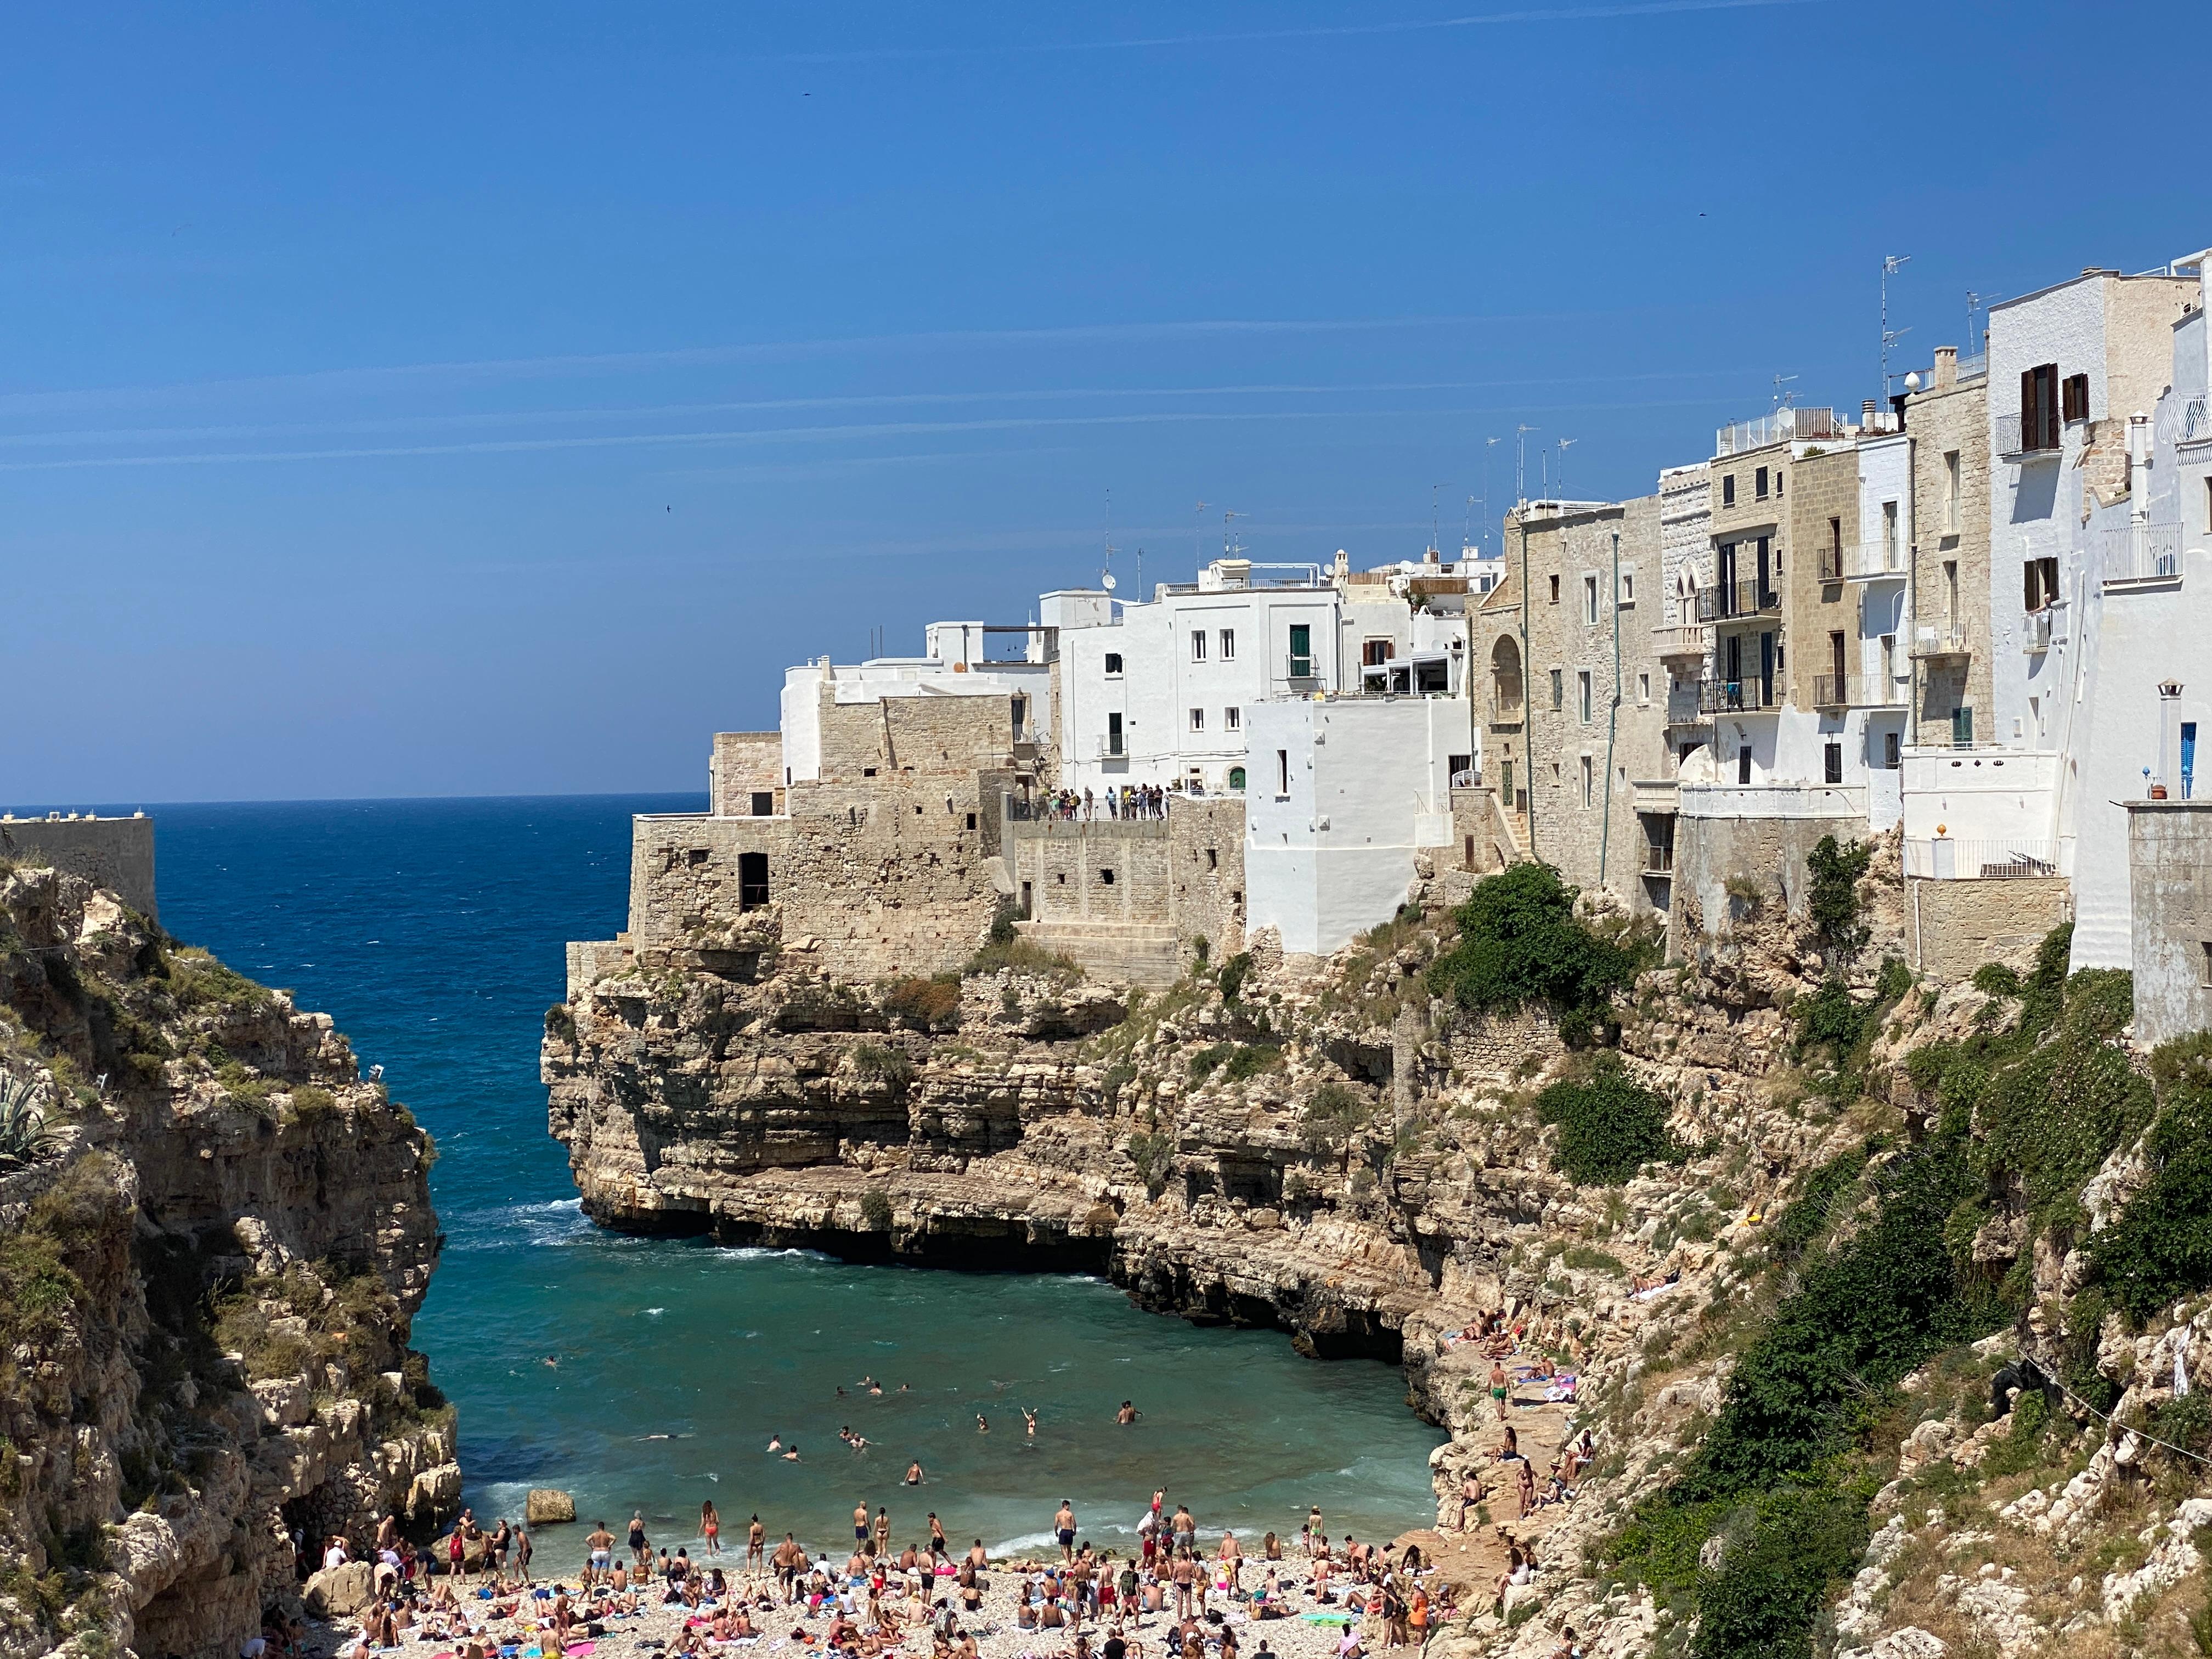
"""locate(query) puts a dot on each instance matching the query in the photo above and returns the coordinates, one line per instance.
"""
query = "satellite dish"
(1106, 582)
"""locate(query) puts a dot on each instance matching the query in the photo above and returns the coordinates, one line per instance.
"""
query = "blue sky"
(481, 399)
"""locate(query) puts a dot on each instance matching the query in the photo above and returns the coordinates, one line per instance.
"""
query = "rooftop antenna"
(1974, 302)
(1520, 464)
(1562, 486)
(1782, 397)
(1488, 444)
(1197, 529)
(1436, 531)
(1106, 577)
(1891, 264)
(1228, 551)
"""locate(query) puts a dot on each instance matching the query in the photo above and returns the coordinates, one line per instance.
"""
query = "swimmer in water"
(1127, 1415)
(981, 1427)
(791, 1456)
(914, 1473)
(775, 1442)
(874, 1386)
(1029, 1422)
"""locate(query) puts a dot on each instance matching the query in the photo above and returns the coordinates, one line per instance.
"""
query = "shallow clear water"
(433, 931)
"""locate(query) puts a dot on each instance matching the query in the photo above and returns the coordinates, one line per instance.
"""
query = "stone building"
(116, 853)
(2170, 948)
(1577, 702)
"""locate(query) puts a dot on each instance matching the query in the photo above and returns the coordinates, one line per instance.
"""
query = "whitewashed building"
(1345, 792)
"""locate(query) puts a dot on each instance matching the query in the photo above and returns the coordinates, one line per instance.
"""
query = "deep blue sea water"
(433, 931)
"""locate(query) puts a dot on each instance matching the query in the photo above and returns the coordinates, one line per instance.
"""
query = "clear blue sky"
(487, 399)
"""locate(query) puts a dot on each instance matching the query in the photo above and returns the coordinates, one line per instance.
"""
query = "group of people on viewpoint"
(1139, 800)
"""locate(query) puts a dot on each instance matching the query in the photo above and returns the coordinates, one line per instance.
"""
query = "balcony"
(2035, 631)
(2196, 421)
(1952, 858)
(2142, 553)
(1857, 691)
(1688, 643)
(1874, 562)
(1831, 564)
(1941, 642)
(1735, 696)
(1733, 601)
(1740, 437)
(2031, 442)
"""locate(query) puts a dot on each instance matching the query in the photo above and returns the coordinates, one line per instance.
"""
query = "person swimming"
(982, 1425)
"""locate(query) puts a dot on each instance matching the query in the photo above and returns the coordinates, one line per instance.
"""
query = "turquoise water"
(433, 931)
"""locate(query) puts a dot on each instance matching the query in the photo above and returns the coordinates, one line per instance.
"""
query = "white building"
(1158, 695)
(1343, 794)
(1879, 567)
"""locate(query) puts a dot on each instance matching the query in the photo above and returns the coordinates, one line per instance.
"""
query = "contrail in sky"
(1482, 19)
(787, 435)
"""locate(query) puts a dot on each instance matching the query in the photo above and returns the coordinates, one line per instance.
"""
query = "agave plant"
(25, 1135)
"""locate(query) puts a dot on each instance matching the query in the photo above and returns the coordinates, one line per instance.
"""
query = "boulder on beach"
(546, 1504)
(338, 1592)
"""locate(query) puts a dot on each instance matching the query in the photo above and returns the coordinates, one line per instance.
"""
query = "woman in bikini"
(710, 1524)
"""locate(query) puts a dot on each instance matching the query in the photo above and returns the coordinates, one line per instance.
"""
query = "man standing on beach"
(522, 1554)
(1064, 1524)
(786, 1565)
(601, 1544)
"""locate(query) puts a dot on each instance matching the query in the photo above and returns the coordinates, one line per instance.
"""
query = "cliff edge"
(215, 1237)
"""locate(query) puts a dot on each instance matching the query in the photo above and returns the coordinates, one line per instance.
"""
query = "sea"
(649, 1376)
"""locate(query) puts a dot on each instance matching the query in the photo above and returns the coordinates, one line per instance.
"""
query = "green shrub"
(1609, 1126)
(2186, 1422)
(1153, 1155)
(1586, 1259)
(1024, 955)
(561, 1023)
(311, 1104)
(875, 1210)
(1334, 1113)
(882, 1065)
(2159, 1248)
(1894, 980)
(1832, 901)
(1994, 979)
(1235, 970)
(1521, 943)
(1234, 1062)
(1830, 1017)
(1808, 1214)
(1782, 1551)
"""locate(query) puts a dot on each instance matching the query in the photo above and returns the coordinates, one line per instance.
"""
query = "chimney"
(1946, 367)
(1866, 415)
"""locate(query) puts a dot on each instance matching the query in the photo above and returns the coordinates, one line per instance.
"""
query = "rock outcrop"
(212, 1259)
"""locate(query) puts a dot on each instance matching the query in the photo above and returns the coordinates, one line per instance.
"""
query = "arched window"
(1236, 779)
(1505, 693)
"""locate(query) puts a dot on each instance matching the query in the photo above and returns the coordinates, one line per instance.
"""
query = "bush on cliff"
(1521, 943)
(2159, 1248)
(926, 1004)
(1610, 1127)
(1834, 899)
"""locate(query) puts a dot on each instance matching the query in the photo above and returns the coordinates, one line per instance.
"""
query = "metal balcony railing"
(1948, 859)
(2196, 421)
(1735, 696)
(2015, 437)
(2142, 552)
(1979, 364)
(1872, 561)
(1856, 691)
(1729, 600)
(1831, 564)
(1740, 436)
(2035, 630)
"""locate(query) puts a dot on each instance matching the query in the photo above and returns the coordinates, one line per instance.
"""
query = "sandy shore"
(998, 1637)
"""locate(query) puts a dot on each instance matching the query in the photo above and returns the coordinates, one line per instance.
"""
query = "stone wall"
(1130, 900)
(116, 853)
(1822, 487)
(1952, 928)
(1764, 853)
(1952, 418)
(745, 764)
(2170, 887)
(919, 734)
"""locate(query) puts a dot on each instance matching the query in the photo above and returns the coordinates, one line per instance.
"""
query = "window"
(1643, 688)
(1589, 781)
(971, 820)
(1758, 485)
(2204, 963)
(1375, 652)
(1459, 766)
(1228, 645)
(1951, 490)
(1831, 762)
(1301, 651)
(1627, 594)
(1559, 689)
(1197, 720)
(763, 803)
(1106, 876)
(1583, 693)
(1555, 590)
(1889, 535)
(1029, 900)
(1232, 719)
(1113, 734)
(1197, 645)
(1727, 489)
(1214, 854)
(1962, 727)
(1743, 764)
(1889, 756)
(1112, 663)
(2039, 583)
(2039, 407)
(752, 880)
(1777, 481)
(1589, 599)
(2074, 396)
(1236, 782)
(1282, 775)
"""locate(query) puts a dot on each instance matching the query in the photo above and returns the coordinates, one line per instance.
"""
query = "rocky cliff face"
(210, 1266)
(1341, 1150)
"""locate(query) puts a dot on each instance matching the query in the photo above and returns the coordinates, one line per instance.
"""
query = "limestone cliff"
(212, 1257)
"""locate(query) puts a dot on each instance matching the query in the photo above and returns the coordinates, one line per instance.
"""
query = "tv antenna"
(1436, 530)
(1488, 444)
(1782, 397)
(1228, 551)
(1520, 464)
(1562, 480)
(1106, 577)
(1891, 264)
(1974, 302)
(1197, 530)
